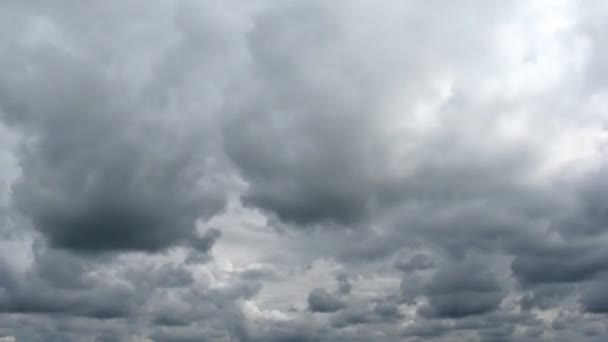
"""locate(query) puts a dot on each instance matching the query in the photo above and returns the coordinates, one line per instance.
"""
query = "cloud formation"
(320, 300)
(303, 171)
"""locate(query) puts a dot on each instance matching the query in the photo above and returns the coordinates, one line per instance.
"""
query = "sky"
(303, 170)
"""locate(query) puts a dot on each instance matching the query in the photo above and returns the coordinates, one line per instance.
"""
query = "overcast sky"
(309, 170)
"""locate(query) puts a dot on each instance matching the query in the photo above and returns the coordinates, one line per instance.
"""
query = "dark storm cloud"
(104, 169)
(552, 270)
(88, 186)
(591, 219)
(594, 297)
(320, 300)
(65, 291)
(573, 262)
(462, 289)
(360, 314)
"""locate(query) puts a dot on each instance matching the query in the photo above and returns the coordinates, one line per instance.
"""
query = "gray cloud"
(546, 296)
(104, 168)
(186, 171)
(594, 298)
(344, 284)
(331, 174)
(415, 263)
(462, 289)
(320, 300)
(562, 263)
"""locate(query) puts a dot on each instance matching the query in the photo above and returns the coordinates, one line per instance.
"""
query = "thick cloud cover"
(303, 171)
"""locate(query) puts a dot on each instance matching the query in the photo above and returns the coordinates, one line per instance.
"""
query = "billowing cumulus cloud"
(93, 177)
(303, 171)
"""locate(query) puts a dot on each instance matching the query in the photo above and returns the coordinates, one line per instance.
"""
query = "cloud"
(303, 171)
(320, 300)
(344, 284)
(68, 292)
(93, 182)
(565, 263)
(461, 290)
(594, 297)
(326, 173)
(416, 262)
(105, 167)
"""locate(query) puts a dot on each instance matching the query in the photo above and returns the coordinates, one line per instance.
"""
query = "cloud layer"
(303, 171)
